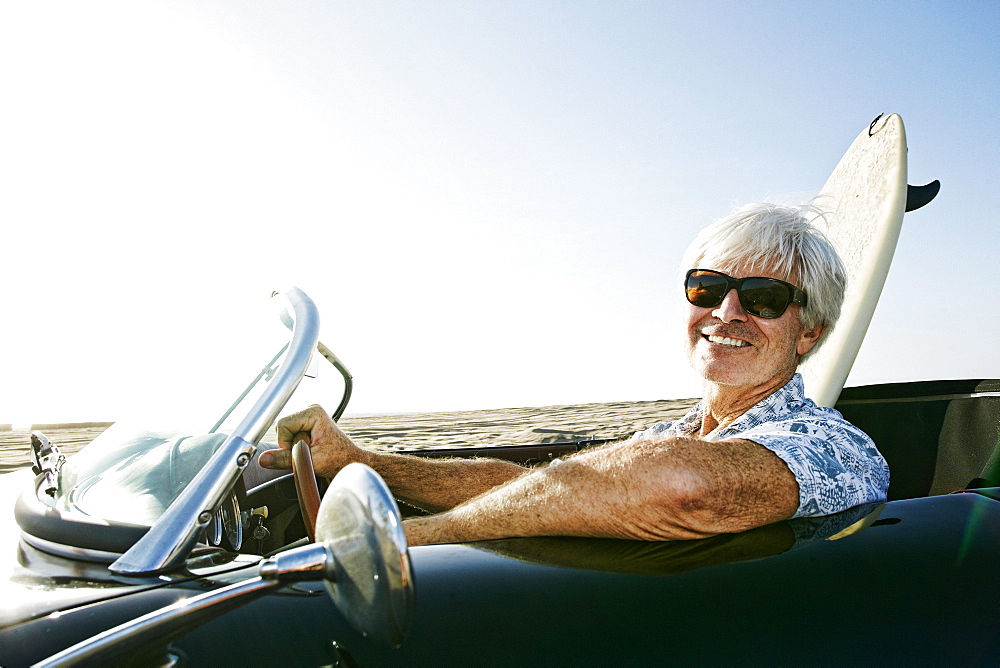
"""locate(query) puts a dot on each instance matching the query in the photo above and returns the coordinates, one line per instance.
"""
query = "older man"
(763, 287)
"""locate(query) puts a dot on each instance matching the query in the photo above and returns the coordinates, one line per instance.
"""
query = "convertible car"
(170, 546)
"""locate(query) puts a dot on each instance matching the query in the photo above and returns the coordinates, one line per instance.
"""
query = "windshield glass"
(136, 468)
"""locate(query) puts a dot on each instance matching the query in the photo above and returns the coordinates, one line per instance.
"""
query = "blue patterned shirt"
(836, 464)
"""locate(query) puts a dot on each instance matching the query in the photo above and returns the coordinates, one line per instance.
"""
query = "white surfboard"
(863, 201)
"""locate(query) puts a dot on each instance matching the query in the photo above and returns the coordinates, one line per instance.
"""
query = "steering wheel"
(306, 487)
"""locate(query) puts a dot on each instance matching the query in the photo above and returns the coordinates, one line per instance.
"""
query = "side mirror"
(372, 581)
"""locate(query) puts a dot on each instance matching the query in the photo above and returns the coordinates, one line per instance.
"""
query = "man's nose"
(730, 309)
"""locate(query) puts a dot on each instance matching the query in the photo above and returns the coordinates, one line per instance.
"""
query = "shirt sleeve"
(658, 430)
(836, 464)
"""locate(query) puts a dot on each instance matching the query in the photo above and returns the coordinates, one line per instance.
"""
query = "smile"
(726, 341)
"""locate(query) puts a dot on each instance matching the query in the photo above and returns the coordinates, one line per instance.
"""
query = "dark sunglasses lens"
(764, 297)
(706, 289)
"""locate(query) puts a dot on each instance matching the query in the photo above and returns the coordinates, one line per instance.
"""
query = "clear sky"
(487, 200)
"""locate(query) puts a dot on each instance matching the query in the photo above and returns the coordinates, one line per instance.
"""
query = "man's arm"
(431, 484)
(674, 488)
(440, 484)
(650, 490)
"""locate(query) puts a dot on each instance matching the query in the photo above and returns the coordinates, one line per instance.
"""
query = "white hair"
(765, 237)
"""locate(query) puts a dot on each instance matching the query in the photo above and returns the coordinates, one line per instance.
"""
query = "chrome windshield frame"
(168, 542)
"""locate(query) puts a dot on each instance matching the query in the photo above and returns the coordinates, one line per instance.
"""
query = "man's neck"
(725, 404)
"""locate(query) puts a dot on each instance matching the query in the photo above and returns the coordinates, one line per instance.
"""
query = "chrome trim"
(309, 562)
(47, 460)
(345, 374)
(312, 562)
(167, 544)
(153, 626)
(268, 370)
(68, 551)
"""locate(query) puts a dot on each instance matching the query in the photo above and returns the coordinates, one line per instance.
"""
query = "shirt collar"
(785, 399)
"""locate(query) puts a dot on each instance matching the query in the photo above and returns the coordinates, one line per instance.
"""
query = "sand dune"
(548, 424)
(506, 426)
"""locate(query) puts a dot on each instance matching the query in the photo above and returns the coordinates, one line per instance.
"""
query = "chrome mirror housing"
(372, 583)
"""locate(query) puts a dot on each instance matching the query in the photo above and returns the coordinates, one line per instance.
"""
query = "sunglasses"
(759, 296)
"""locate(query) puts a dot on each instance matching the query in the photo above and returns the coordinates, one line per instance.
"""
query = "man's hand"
(331, 449)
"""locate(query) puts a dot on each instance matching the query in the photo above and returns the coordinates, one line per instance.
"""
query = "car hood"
(34, 584)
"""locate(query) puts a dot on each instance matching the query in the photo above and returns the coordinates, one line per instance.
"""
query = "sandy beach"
(505, 426)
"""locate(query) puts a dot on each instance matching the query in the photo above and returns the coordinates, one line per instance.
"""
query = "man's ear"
(808, 339)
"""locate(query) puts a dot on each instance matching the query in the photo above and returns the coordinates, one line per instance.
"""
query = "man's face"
(728, 346)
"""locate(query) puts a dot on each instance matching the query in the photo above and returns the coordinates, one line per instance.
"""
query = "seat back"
(938, 436)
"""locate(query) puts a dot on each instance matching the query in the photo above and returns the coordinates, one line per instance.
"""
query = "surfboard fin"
(918, 196)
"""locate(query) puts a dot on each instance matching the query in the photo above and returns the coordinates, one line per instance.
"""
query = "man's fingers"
(291, 431)
(331, 448)
(276, 459)
(298, 426)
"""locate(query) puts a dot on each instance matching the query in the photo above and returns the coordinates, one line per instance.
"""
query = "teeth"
(726, 341)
